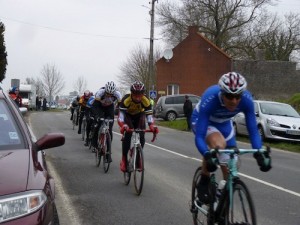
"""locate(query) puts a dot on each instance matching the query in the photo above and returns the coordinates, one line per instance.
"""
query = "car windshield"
(278, 109)
(10, 135)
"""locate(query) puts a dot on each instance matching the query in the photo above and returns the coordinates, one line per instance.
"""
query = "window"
(10, 136)
(173, 89)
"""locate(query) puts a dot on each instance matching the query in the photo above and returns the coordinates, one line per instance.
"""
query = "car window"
(278, 109)
(169, 100)
(10, 135)
(194, 99)
(255, 107)
(179, 100)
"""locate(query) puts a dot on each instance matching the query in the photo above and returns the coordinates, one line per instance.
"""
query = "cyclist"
(82, 107)
(74, 105)
(213, 126)
(89, 118)
(104, 105)
(133, 110)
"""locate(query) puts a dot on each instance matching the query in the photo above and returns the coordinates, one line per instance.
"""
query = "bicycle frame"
(232, 176)
(104, 129)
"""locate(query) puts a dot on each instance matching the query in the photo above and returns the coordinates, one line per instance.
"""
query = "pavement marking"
(63, 196)
(241, 174)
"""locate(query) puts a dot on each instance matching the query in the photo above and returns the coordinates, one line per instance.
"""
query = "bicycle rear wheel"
(138, 170)
(199, 218)
(127, 174)
(83, 128)
(74, 120)
(242, 211)
(98, 156)
(106, 150)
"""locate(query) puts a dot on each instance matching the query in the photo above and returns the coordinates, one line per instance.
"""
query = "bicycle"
(233, 205)
(75, 117)
(135, 159)
(83, 127)
(104, 144)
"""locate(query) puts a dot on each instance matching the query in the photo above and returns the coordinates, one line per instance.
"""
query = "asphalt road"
(86, 195)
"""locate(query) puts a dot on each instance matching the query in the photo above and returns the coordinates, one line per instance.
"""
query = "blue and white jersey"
(90, 102)
(211, 111)
(107, 100)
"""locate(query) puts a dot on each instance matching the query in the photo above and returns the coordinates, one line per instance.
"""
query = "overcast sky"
(90, 38)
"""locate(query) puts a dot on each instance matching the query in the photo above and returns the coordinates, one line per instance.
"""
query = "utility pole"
(151, 63)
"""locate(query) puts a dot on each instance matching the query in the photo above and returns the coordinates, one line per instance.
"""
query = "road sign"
(152, 94)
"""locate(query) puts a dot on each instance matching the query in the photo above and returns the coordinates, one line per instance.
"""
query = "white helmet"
(110, 87)
(233, 83)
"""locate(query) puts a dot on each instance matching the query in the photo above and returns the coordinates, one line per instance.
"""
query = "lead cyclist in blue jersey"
(213, 128)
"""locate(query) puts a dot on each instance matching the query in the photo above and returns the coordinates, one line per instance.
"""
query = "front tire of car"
(171, 116)
(55, 216)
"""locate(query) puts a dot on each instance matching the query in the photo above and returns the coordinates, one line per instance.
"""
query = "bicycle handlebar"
(241, 151)
(140, 131)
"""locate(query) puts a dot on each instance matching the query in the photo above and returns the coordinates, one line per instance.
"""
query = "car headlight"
(272, 122)
(21, 204)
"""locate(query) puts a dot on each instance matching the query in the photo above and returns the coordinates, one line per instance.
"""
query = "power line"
(70, 31)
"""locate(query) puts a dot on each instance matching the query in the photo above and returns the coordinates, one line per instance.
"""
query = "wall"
(270, 80)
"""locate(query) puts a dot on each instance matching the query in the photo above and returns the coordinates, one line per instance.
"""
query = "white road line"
(241, 174)
(72, 215)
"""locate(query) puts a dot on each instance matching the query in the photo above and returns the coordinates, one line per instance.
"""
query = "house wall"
(270, 80)
(196, 64)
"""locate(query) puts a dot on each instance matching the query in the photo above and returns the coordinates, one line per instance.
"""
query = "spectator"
(188, 110)
(44, 104)
(14, 94)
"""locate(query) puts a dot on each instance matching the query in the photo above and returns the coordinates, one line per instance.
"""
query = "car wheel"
(171, 116)
(55, 216)
(261, 132)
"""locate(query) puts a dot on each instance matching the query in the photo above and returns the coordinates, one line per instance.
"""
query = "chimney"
(193, 29)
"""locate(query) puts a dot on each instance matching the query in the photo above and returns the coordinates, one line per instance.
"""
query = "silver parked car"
(275, 120)
(170, 107)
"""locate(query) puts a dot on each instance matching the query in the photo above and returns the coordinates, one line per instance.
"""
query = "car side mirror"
(50, 140)
(256, 114)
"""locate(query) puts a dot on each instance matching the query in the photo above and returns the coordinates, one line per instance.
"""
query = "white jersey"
(107, 100)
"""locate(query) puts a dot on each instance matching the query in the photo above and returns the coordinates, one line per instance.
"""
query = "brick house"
(196, 64)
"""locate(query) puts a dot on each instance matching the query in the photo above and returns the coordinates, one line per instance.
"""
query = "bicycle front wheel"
(199, 217)
(138, 171)
(74, 120)
(106, 150)
(242, 210)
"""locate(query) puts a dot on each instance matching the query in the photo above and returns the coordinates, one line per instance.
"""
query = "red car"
(26, 187)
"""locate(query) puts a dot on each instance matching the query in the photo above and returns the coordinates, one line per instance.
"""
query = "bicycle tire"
(138, 170)
(83, 128)
(127, 174)
(106, 150)
(243, 211)
(74, 120)
(199, 218)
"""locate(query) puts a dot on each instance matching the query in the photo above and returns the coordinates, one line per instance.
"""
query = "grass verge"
(182, 125)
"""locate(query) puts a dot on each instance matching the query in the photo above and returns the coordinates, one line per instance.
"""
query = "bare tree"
(80, 84)
(3, 54)
(52, 80)
(224, 22)
(136, 67)
(280, 38)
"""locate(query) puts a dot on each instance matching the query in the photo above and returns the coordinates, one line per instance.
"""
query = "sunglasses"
(232, 96)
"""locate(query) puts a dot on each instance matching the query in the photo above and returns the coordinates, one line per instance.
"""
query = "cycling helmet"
(137, 88)
(78, 97)
(233, 83)
(87, 94)
(110, 87)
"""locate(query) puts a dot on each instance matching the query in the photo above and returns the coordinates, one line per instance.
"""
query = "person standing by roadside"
(44, 104)
(188, 110)
(14, 94)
